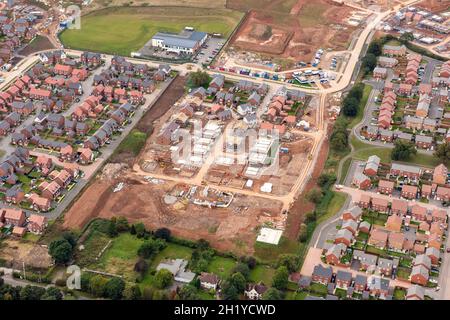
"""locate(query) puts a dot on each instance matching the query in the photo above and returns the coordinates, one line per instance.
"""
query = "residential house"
(36, 223)
(255, 291)
(385, 187)
(409, 192)
(322, 274)
(378, 238)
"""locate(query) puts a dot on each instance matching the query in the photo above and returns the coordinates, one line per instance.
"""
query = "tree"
(188, 292)
(114, 288)
(122, 224)
(163, 233)
(350, 106)
(403, 150)
(148, 293)
(303, 233)
(280, 278)
(151, 247)
(249, 260)
(314, 195)
(61, 251)
(132, 293)
(375, 48)
(139, 229)
(290, 261)
(443, 152)
(141, 266)
(238, 281)
(407, 36)
(70, 237)
(31, 293)
(243, 269)
(160, 295)
(272, 294)
(52, 293)
(112, 229)
(199, 79)
(163, 279)
(369, 62)
(133, 229)
(229, 292)
(97, 285)
(325, 180)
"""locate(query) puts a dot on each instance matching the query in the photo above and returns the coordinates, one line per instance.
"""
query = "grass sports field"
(123, 30)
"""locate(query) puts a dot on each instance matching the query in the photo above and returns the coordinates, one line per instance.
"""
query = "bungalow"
(409, 192)
(385, 187)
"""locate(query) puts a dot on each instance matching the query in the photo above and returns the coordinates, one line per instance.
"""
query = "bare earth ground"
(298, 28)
(39, 44)
(17, 252)
(302, 206)
(233, 228)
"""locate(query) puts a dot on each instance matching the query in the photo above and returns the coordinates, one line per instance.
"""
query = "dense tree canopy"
(403, 150)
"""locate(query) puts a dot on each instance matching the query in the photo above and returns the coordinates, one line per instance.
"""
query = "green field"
(221, 266)
(122, 30)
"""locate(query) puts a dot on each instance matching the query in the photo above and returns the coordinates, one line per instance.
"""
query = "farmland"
(127, 29)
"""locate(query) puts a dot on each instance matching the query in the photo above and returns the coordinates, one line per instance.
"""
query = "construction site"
(296, 34)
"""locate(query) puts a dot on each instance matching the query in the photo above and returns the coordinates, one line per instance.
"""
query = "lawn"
(262, 273)
(221, 266)
(172, 251)
(292, 295)
(336, 203)
(399, 294)
(133, 142)
(268, 253)
(123, 30)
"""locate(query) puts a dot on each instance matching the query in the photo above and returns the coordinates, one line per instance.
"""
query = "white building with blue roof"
(187, 42)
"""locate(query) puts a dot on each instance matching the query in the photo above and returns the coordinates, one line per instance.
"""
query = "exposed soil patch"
(38, 44)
